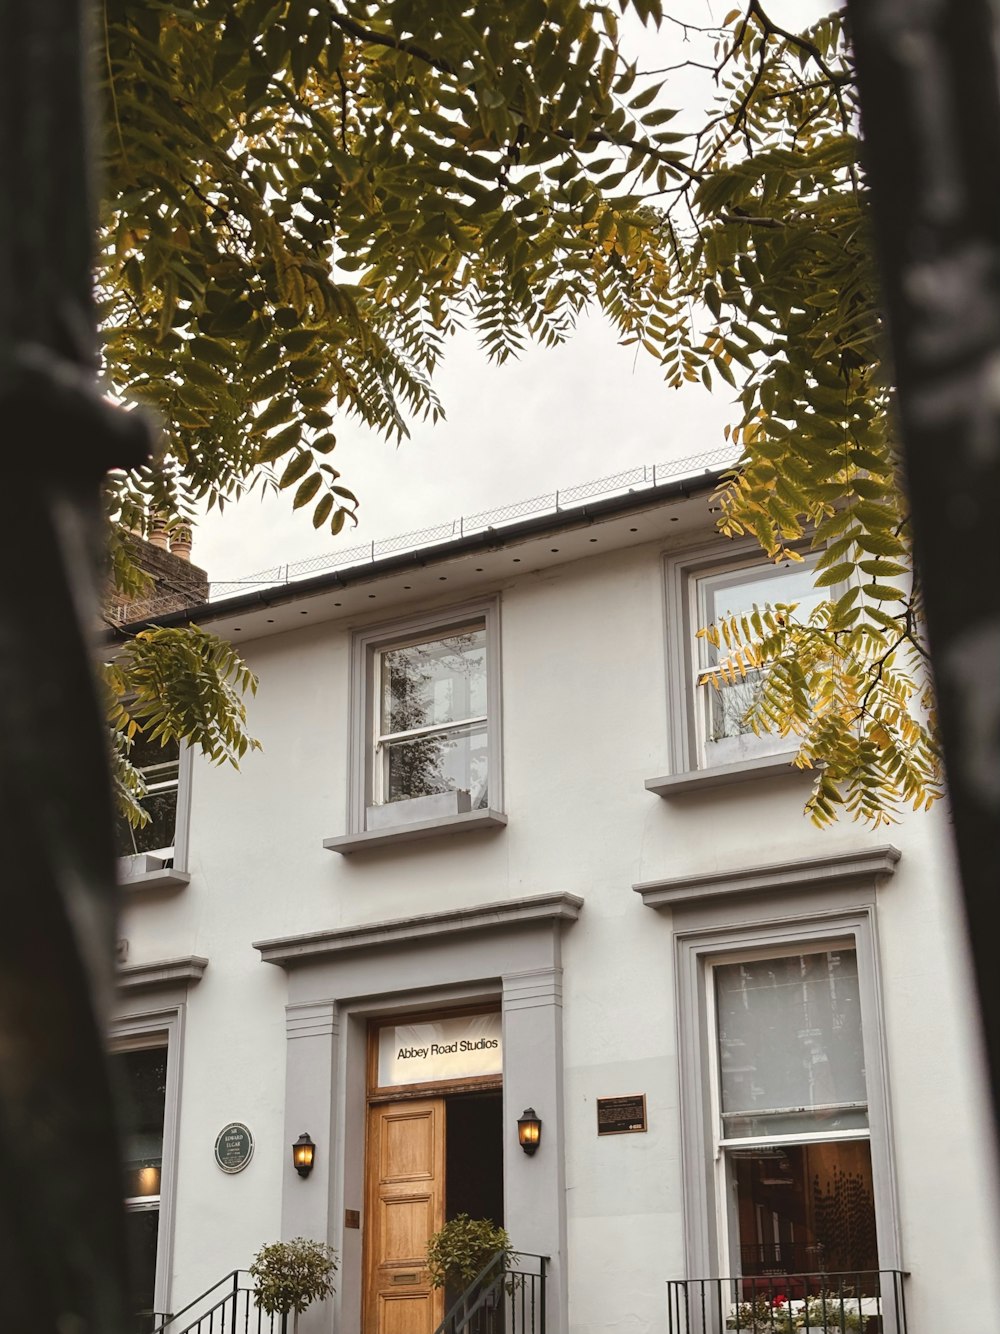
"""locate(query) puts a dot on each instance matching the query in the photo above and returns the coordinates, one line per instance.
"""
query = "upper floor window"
(709, 723)
(431, 724)
(160, 768)
(157, 852)
(426, 726)
(724, 733)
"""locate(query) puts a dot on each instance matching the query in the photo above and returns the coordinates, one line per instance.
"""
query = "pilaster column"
(535, 1187)
(313, 1032)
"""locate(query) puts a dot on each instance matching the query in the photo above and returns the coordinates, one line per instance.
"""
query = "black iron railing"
(227, 1307)
(506, 1297)
(856, 1302)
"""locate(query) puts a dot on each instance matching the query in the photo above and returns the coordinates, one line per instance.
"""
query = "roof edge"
(489, 539)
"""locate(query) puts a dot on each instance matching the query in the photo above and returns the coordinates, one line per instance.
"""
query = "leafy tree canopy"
(304, 199)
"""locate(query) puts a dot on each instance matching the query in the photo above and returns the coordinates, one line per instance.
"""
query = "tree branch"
(355, 29)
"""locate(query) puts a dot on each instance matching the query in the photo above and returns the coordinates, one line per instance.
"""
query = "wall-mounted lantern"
(529, 1130)
(303, 1154)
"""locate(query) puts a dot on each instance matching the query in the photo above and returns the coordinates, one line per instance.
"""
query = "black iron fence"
(856, 1302)
(506, 1297)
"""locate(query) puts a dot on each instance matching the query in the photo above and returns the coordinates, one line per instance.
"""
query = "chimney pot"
(180, 543)
(158, 536)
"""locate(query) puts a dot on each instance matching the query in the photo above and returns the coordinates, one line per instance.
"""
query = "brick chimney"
(175, 582)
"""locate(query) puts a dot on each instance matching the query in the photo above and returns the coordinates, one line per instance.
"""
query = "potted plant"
(291, 1275)
(823, 1313)
(764, 1315)
(462, 1249)
(831, 1312)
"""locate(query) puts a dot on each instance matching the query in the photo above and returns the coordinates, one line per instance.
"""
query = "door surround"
(339, 980)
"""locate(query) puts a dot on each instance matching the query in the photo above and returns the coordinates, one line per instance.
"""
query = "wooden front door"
(405, 1189)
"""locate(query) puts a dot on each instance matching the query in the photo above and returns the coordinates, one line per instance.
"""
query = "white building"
(495, 806)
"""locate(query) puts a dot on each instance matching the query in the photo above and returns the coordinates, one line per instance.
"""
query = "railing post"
(236, 1299)
(541, 1299)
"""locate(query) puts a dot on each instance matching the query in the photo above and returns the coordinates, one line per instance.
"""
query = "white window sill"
(166, 878)
(725, 775)
(419, 829)
(147, 871)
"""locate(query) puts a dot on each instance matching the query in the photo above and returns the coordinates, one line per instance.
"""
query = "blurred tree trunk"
(61, 1218)
(930, 107)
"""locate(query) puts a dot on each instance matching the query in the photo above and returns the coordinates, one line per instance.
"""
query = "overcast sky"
(555, 418)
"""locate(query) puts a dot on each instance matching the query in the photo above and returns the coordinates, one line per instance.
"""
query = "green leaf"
(294, 469)
(322, 511)
(307, 490)
(275, 446)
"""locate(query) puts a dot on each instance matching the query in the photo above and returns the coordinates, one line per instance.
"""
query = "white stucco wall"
(585, 723)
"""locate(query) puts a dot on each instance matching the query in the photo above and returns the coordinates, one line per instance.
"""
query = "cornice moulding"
(842, 868)
(161, 973)
(404, 930)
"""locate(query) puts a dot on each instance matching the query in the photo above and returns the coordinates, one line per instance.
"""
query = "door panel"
(405, 1189)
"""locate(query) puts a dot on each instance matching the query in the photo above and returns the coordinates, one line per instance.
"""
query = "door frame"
(400, 1095)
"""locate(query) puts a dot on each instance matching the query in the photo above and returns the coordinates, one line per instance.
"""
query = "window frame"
(711, 1238)
(151, 869)
(367, 646)
(685, 572)
(162, 1028)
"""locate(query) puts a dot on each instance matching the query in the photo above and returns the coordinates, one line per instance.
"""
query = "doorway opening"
(474, 1163)
(474, 1156)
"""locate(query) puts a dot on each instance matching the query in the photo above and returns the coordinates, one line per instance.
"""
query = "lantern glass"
(529, 1130)
(303, 1154)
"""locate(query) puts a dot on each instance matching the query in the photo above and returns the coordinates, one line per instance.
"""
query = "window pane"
(140, 1235)
(142, 1077)
(731, 594)
(160, 766)
(729, 705)
(790, 1051)
(441, 681)
(728, 738)
(454, 761)
(805, 1208)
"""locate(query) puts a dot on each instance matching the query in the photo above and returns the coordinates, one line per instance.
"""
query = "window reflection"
(432, 728)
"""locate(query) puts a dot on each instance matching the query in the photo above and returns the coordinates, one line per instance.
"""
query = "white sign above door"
(458, 1047)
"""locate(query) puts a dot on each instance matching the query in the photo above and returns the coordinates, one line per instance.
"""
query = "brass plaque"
(352, 1218)
(621, 1116)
